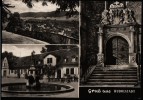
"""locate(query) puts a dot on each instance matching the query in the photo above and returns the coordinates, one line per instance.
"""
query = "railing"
(49, 37)
(87, 73)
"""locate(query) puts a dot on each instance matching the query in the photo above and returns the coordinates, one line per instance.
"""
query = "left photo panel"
(40, 22)
(40, 71)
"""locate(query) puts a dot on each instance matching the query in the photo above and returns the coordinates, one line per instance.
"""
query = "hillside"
(44, 14)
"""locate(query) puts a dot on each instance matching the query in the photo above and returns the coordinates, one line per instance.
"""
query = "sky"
(22, 7)
(22, 50)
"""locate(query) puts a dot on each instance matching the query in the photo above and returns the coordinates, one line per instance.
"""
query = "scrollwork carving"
(117, 15)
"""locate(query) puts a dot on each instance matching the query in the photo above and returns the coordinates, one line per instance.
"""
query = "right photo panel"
(110, 48)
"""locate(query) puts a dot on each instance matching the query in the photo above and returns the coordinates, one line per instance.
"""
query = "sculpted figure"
(111, 16)
(131, 18)
(105, 19)
(126, 16)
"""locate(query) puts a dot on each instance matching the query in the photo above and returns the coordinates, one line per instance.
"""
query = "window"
(39, 62)
(66, 60)
(21, 71)
(4, 65)
(72, 70)
(49, 60)
(31, 72)
(67, 71)
(73, 60)
(76, 58)
(25, 70)
(15, 72)
(11, 71)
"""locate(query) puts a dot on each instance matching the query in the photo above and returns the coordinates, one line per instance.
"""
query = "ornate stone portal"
(117, 15)
(118, 21)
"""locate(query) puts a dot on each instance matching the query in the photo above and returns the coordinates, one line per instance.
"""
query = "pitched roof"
(26, 62)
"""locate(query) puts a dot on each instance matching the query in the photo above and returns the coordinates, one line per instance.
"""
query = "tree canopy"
(49, 48)
(10, 57)
(64, 5)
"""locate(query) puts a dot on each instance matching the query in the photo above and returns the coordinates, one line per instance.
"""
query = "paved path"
(11, 38)
(73, 94)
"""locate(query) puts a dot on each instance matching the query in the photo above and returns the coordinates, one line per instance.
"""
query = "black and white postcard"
(81, 49)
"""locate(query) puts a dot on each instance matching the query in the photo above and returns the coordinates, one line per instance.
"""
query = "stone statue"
(121, 16)
(30, 81)
(117, 15)
(126, 16)
(105, 17)
(131, 14)
(111, 16)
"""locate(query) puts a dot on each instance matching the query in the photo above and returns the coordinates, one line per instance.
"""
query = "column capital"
(100, 34)
(100, 31)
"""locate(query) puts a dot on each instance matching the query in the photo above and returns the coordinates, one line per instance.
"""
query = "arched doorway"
(117, 51)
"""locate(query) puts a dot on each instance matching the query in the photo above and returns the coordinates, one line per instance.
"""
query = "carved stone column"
(132, 54)
(100, 55)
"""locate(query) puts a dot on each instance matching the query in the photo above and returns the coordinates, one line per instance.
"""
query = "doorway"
(117, 51)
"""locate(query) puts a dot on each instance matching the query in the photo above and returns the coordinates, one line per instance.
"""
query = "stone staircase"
(104, 76)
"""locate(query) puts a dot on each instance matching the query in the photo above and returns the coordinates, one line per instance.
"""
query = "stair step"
(115, 74)
(116, 70)
(123, 68)
(113, 77)
(112, 80)
(111, 83)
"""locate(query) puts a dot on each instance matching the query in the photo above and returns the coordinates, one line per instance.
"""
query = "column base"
(100, 60)
(132, 60)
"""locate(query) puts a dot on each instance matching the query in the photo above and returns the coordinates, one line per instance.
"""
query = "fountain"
(33, 87)
(45, 88)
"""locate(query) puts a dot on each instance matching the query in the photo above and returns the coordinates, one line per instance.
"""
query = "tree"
(15, 22)
(64, 5)
(43, 50)
(90, 17)
(49, 70)
(6, 11)
(49, 48)
(10, 57)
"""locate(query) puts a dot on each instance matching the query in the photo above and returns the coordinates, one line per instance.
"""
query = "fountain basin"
(45, 88)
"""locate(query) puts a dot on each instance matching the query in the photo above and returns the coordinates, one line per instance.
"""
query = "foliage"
(90, 17)
(69, 5)
(10, 57)
(49, 48)
(49, 70)
(15, 22)
(6, 11)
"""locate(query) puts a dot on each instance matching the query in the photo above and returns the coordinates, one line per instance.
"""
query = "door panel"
(117, 51)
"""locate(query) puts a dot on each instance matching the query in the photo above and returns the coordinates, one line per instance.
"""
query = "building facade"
(61, 62)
